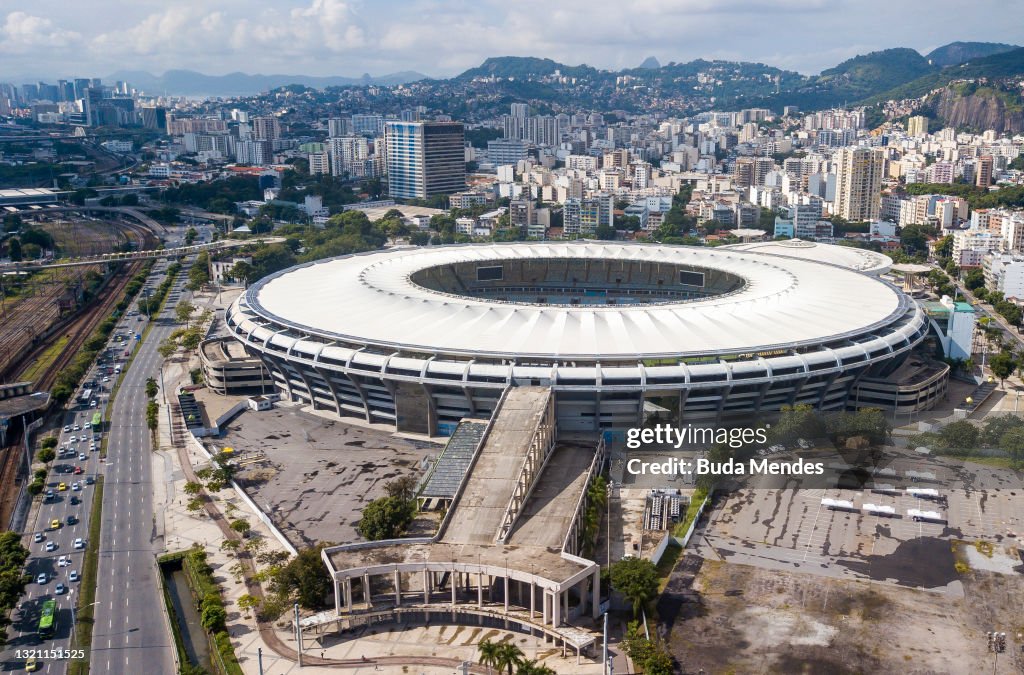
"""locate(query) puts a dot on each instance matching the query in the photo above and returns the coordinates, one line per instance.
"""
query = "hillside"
(524, 67)
(192, 83)
(996, 66)
(970, 106)
(956, 53)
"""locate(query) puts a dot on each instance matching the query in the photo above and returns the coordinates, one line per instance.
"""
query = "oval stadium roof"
(370, 299)
(860, 259)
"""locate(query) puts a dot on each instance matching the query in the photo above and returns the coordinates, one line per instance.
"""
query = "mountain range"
(550, 86)
(192, 83)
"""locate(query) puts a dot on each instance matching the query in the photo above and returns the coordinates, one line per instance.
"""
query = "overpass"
(153, 225)
(178, 252)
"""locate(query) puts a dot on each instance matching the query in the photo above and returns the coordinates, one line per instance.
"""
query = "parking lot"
(313, 475)
(793, 529)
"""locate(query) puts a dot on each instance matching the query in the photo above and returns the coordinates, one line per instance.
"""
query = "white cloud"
(443, 37)
(22, 32)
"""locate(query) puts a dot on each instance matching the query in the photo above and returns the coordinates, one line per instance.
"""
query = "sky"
(51, 39)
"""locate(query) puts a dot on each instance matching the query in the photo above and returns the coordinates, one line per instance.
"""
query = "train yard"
(43, 327)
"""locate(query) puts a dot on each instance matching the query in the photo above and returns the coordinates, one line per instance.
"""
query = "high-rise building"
(347, 155)
(318, 163)
(743, 172)
(917, 125)
(368, 125)
(425, 159)
(339, 126)
(502, 151)
(266, 128)
(983, 172)
(859, 183)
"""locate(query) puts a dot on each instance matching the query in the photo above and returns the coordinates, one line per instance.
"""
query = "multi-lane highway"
(130, 629)
(130, 632)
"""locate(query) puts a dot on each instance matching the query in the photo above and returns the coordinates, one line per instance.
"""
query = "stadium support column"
(366, 589)
(479, 589)
(595, 593)
(337, 597)
(398, 588)
(426, 588)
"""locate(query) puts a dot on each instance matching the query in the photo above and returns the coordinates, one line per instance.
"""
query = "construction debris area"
(723, 617)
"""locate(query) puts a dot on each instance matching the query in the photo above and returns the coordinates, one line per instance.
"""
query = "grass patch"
(87, 594)
(998, 462)
(667, 563)
(700, 495)
(45, 360)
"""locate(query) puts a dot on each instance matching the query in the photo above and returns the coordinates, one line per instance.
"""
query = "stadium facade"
(420, 338)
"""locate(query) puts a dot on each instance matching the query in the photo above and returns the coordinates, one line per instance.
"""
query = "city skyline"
(441, 39)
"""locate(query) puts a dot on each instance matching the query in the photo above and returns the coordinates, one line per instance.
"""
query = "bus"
(48, 619)
(86, 396)
(97, 422)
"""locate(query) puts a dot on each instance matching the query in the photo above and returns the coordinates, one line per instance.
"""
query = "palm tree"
(489, 652)
(509, 656)
(531, 667)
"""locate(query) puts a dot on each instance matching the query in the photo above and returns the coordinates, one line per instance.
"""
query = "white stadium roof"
(860, 259)
(370, 299)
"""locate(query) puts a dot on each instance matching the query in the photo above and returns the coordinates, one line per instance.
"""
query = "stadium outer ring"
(356, 336)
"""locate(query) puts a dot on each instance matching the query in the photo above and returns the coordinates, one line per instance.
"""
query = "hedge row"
(71, 376)
(212, 613)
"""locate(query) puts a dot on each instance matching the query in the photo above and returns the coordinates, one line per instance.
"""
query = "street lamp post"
(71, 597)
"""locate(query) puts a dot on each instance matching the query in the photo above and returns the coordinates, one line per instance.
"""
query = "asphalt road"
(70, 502)
(130, 633)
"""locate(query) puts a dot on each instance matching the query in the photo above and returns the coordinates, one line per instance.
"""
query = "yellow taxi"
(31, 665)
(62, 487)
(55, 524)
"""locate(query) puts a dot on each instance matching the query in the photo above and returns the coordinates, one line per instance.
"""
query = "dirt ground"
(742, 619)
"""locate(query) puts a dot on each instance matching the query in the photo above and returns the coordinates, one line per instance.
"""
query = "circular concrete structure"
(421, 337)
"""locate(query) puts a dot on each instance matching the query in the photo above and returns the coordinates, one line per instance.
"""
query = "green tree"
(1002, 365)
(241, 526)
(305, 579)
(636, 579)
(184, 311)
(403, 488)
(199, 273)
(797, 421)
(532, 667)
(190, 236)
(193, 488)
(509, 656)
(1012, 443)
(960, 436)
(488, 654)
(385, 518)
(152, 389)
(998, 425)
(974, 279)
(46, 455)
(247, 603)
(213, 617)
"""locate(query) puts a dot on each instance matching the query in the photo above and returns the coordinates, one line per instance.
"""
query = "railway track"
(78, 330)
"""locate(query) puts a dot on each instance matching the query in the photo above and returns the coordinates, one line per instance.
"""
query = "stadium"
(420, 338)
